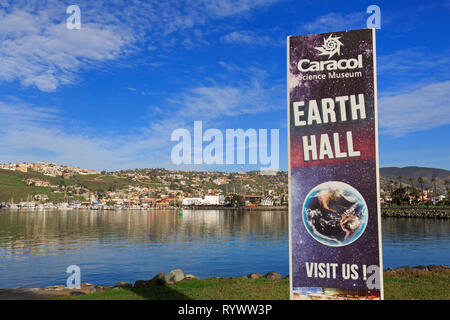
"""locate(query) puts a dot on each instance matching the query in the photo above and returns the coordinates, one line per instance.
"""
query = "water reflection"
(409, 241)
(131, 245)
(27, 232)
(36, 247)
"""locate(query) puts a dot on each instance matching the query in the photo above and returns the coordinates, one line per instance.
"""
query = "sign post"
(334, 207)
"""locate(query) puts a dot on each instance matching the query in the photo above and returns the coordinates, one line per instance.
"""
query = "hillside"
(157, 182)
(12, 185)
(139, 183)
(392, 173)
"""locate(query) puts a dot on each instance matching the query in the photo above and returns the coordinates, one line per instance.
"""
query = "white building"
(214, 200)
(438, 198)
(191, 201)
(208, 200)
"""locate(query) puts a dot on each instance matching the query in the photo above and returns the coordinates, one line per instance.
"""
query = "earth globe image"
(335, 213)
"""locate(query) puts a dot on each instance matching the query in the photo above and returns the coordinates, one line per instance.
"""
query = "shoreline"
(388, 212)
(177, 277)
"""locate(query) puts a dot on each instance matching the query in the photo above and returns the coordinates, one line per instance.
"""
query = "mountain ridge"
(391, 174)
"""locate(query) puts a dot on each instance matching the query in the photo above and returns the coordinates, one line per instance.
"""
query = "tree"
(235, 200)
(400, 180)
(420, 180)
(411, 181)
(446, 189)
(433, 180)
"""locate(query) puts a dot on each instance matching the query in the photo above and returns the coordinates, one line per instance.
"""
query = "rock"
(83, 285)
(123, 284)
(26, 290)
(104, 288)
(159, 278)
(273, 275)
(403, 269)
(174, 276)
(190, 277)
(433, 267)
(142, 283)
(254, 275)
(88, 287)
(56, 288)
(243, 277)
(77, 293)
(421, 268)
(92, 290)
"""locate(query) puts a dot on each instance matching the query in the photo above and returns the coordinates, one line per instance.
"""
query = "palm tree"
(395, 195)
(433, 180)
(411, 181)
(446, 188)
(420, 180)
(390, 185)
(391, 189)
(400, 180)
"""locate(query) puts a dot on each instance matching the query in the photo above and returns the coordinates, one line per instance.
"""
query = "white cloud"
(32, 133)
(38, 50)
(421, 109)
(221, 8)
(337, 22)
(253, 93)
(21, 115)
(424, 66)
(250, 38)
(35, 133)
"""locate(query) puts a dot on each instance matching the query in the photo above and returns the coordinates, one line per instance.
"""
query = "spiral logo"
(330, 47)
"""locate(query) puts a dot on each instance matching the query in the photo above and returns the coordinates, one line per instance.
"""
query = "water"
(37, 247)
(410, 241)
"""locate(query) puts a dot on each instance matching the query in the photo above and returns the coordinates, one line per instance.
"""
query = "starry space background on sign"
(359, 172)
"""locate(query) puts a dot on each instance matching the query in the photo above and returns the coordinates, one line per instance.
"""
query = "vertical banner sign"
(334, 208)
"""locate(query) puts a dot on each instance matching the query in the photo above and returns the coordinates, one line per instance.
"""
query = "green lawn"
(397, 287)
(424, 286)
(206, 289)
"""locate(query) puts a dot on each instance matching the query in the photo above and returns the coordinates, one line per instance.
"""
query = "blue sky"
(109, 96)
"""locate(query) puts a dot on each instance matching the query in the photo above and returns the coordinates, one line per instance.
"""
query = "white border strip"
(291, 294)
(375, 97)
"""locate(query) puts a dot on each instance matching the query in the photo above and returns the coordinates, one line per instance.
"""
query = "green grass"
(423, 286)
(426, 286)
(206, 289)
(12, 187)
